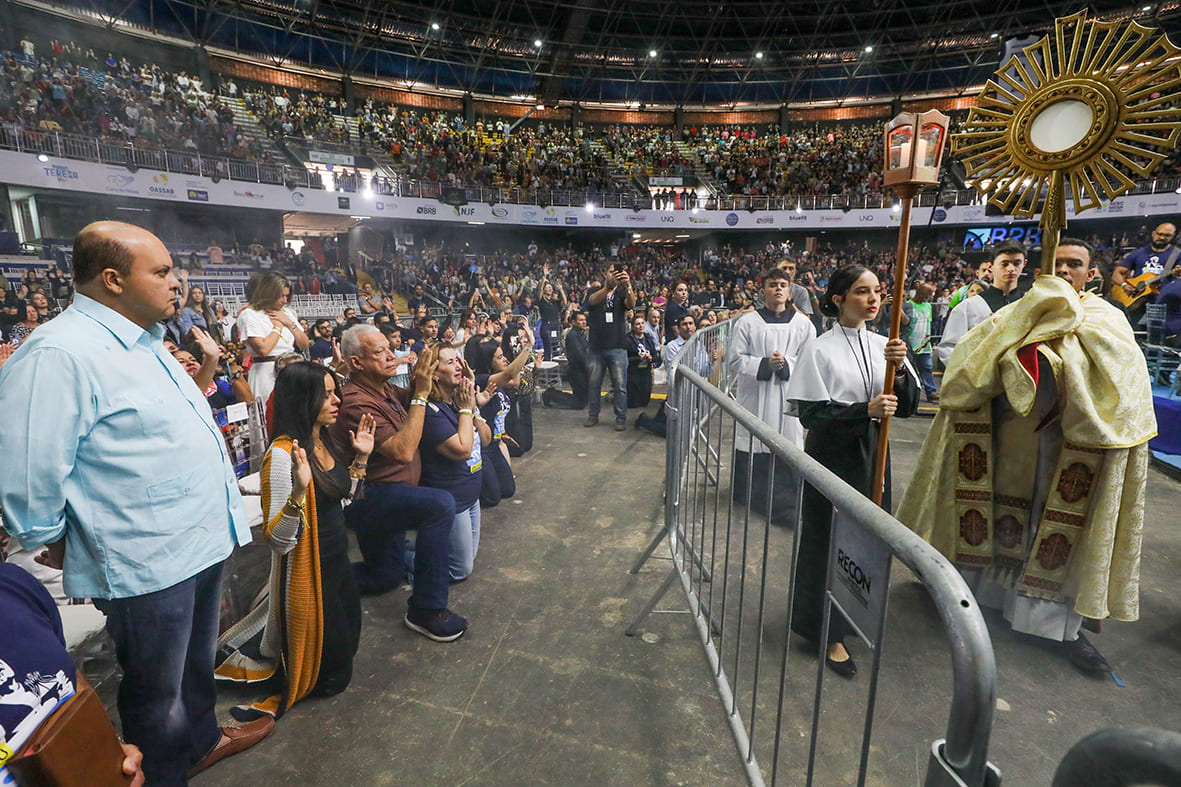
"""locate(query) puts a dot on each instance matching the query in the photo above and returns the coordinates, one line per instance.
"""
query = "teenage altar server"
(837, 391)
(764, 347)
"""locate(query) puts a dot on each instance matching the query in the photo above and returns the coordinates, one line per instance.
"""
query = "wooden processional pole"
(906, 193)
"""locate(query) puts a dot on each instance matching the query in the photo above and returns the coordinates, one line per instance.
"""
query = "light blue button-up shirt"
(106, 440)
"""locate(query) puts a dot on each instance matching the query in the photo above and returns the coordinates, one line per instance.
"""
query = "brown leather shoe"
(240, 738)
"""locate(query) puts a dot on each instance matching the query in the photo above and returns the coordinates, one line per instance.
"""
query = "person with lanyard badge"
(494, 374)
(269, 329)
(836, 391)
(454, 436)
(606, 312)
(642, 357)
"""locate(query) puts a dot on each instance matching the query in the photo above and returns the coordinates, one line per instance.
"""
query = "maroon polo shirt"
(390, 415)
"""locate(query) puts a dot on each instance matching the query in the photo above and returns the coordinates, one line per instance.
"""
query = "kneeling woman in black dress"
(305, 635)
(836, 389)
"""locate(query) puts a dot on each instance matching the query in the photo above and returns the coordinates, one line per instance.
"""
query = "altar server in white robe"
(764, 346)
(837, 390)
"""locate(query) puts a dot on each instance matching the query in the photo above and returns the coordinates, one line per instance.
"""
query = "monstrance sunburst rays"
(1128, 75)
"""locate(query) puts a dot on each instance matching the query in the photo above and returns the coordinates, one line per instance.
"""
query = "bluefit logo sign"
(198, 195)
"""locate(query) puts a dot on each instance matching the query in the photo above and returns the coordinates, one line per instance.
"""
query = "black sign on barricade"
(859, 577)
(858, 588)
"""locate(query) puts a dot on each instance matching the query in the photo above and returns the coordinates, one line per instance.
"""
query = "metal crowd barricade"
(733, 566)
(245, 431)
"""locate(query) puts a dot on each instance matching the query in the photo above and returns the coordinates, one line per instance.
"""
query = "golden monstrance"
(1096, 105)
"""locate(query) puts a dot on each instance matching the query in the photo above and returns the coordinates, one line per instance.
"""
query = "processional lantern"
(914, 149)
(1077, 115)
(914, 145)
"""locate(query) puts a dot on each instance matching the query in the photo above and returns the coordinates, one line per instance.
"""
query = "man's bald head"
(106, 244)
(1163, 235)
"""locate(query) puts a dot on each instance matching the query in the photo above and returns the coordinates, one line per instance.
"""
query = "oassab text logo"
(160, 185)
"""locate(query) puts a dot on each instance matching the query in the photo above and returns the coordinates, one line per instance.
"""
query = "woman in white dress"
(836, 390)
(269, 328)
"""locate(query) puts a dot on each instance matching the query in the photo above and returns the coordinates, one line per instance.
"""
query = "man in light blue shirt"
(114, 462)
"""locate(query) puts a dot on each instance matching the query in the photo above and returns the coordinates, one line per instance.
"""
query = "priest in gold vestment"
(1031, 479)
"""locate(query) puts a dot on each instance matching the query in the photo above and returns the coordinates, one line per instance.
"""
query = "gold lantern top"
(914, 148)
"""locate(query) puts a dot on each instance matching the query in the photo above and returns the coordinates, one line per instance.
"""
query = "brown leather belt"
(264, 358)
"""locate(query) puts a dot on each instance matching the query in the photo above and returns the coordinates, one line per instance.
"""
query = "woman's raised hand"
(485, 396)
(465, 395)
(301, 471)
(209, 347)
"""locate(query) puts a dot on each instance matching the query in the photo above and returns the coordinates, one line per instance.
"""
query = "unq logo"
(732, 219)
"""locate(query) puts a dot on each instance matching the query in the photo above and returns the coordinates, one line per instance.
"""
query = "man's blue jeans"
(616, 361)
(923, 364)
(165, 643)
(381, 518)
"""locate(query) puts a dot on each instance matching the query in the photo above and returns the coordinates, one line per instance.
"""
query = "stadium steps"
(249, 127)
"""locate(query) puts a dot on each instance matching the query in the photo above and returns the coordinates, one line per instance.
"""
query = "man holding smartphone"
(607, 309)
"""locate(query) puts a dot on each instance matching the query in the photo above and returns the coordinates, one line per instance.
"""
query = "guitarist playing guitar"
(1138, 276)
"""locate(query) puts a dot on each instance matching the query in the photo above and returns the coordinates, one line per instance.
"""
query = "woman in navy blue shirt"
(496, 376)
(453, 438)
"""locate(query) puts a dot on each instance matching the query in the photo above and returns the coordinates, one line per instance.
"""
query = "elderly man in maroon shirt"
(393, 502)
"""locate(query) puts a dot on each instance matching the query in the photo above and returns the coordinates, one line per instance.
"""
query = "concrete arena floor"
(546, 689)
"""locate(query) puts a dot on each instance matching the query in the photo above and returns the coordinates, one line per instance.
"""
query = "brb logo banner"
(981, 237)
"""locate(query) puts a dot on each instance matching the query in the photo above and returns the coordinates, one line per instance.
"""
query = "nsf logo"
(732, 219)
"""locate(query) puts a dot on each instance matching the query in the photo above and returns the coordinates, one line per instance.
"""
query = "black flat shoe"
(846, 669)
(1085, 656)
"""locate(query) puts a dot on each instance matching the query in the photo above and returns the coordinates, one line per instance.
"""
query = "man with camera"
(607, 309)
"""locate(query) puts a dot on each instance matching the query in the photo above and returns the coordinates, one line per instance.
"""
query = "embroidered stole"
(995, 483)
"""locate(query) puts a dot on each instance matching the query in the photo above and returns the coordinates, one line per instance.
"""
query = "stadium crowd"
(70, 90)
(61, 87)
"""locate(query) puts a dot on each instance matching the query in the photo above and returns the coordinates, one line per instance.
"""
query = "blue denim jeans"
(596, 362)
(465, 541)
(381, 518)
(923, 364)
(165, 643)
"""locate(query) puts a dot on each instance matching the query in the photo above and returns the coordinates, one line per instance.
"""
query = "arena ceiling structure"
(638, 53)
